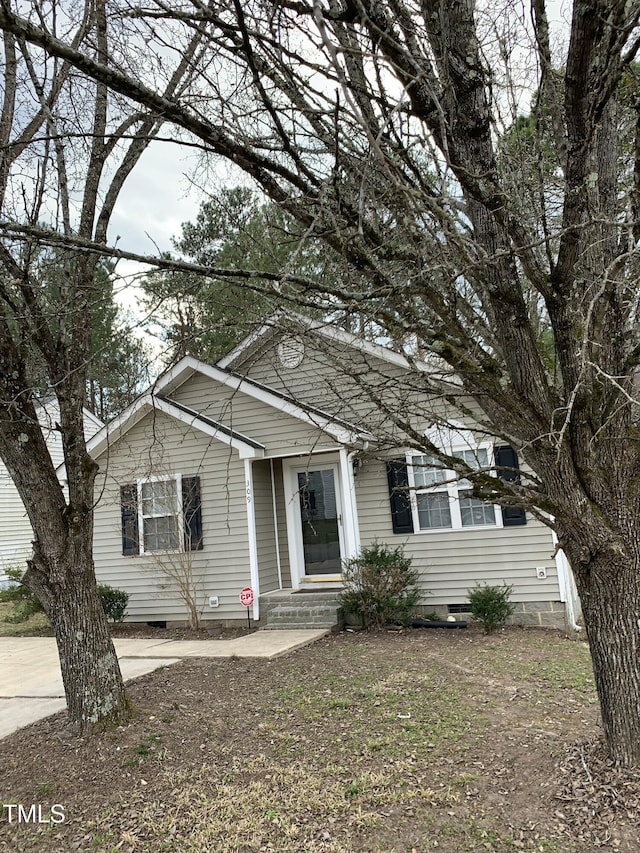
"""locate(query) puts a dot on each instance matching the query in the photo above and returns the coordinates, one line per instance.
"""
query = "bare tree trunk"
(609, 588)
(49, 302)
(93, 684)
(61, 572)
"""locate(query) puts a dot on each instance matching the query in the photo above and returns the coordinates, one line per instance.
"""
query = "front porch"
(303, 522)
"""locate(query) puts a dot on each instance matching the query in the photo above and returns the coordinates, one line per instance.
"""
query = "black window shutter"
(398, 479)
(129, 514)
(192, 511)
(506, 456)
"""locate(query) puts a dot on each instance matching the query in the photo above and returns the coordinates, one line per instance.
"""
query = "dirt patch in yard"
(398, 743)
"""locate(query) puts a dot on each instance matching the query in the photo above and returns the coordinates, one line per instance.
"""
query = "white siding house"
(296, 453)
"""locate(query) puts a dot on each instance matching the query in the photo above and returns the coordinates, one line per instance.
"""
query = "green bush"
(114, 601)
(24, 602)
(380, 586)
(490, 605)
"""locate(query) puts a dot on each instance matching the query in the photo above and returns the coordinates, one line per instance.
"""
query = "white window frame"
(177, 479)
(452, 488)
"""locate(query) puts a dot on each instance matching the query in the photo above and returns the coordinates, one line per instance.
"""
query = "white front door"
(316, 539)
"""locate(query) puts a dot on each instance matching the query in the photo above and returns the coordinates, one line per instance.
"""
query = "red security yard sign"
(246, 598)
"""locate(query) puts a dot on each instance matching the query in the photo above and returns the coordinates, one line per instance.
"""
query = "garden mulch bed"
(142, 630)
(411, 741)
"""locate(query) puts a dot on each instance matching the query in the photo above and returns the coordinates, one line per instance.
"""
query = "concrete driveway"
(31, 683)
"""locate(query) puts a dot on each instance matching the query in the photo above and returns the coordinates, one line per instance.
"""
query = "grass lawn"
(397, 743)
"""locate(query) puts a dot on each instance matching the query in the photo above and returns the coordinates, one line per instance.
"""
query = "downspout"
(565, 583)
(275, 523)
(253, 543)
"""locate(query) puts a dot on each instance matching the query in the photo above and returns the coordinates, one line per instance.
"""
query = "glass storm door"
(320, 518)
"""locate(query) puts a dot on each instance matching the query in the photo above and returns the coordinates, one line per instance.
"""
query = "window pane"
(159, 498)
(478, 458)
(161, 534)
(427, 471)
(160, 523)
(434, 511)
(474, 512)
(147, 498)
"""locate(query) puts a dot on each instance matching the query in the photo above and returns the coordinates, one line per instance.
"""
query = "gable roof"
(246, 447)
(158, 398)
(330, 332)
(343, 431)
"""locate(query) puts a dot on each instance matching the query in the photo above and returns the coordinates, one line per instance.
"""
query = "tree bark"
(93, 684)
(608, 583)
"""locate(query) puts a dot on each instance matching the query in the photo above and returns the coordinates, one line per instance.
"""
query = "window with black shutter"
(506, 457)
(445, 501)
(150, 513)
(398, 480)
(192, 511)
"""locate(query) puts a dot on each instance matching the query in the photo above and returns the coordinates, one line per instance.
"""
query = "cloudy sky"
(156, 199)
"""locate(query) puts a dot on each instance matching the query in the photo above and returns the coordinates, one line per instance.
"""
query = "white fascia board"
(247, 448)
(177, 375)
(333, 333)
(188, 366)
(143, 405)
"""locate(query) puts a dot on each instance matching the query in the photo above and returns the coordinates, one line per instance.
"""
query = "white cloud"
(156, 199)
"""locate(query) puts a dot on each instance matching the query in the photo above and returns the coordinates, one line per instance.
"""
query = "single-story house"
(287, 457)
(15, 532)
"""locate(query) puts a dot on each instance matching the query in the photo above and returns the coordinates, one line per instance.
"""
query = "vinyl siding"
(336, 379)
(265, 527)
(280, 433)
(449, 561)
(15, 531)
(160, 446)
(452, 561)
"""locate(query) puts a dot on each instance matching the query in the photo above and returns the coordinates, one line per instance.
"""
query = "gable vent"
(290, 352)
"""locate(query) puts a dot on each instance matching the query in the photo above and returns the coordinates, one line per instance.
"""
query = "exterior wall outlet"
(214, 601)
(541, 573)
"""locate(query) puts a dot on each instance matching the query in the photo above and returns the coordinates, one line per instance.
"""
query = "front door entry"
(320, 520)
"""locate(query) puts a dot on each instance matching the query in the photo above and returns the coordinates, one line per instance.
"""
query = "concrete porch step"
(301, 595)
(292, 609)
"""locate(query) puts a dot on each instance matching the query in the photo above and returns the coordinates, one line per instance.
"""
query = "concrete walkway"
(31, 682)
